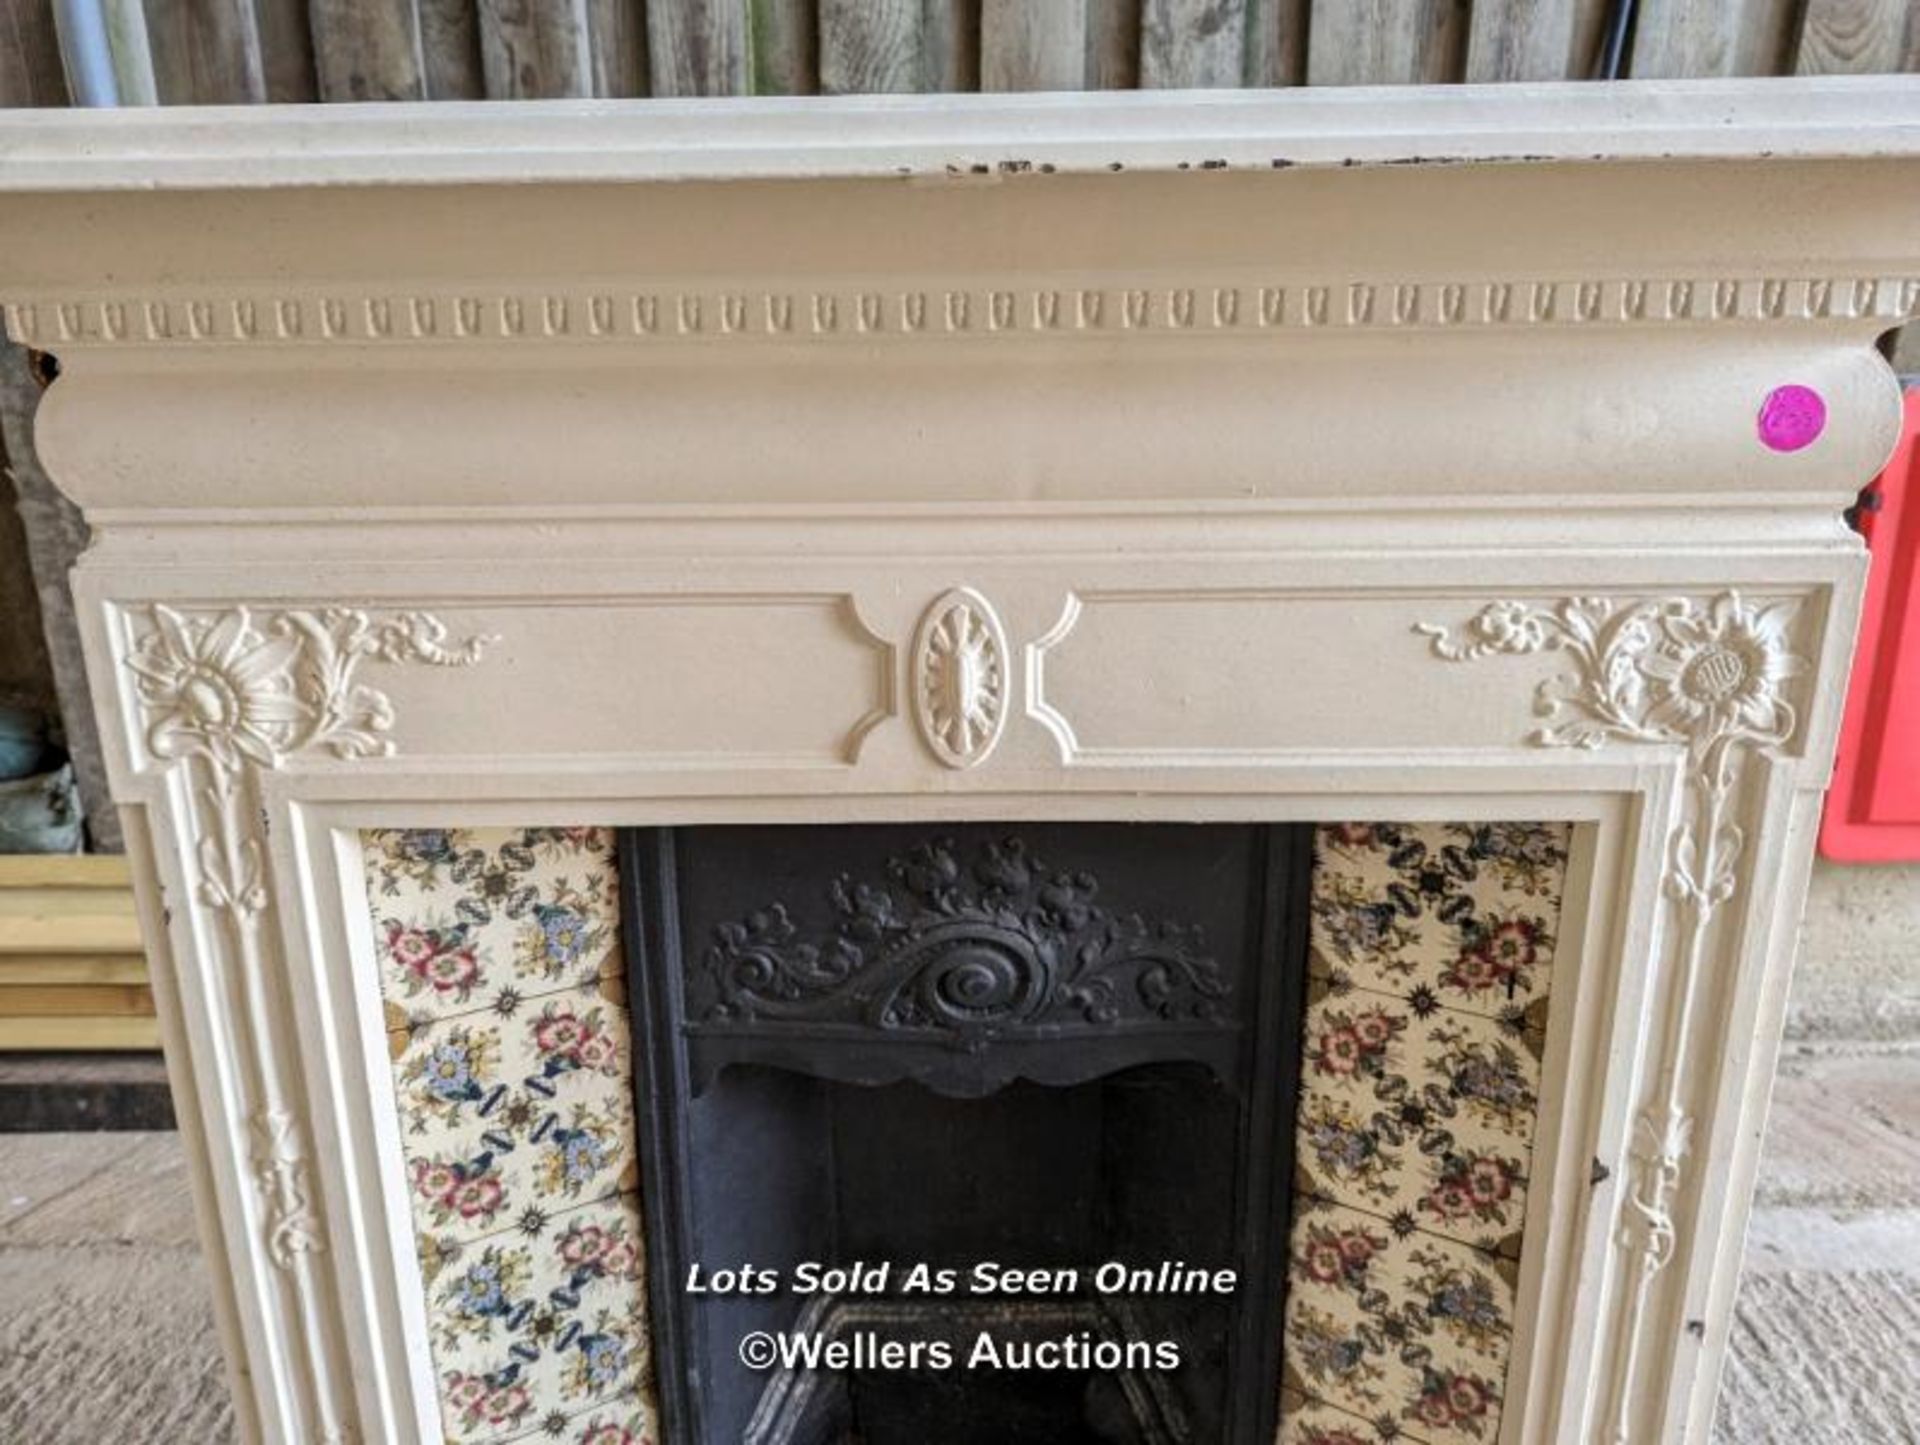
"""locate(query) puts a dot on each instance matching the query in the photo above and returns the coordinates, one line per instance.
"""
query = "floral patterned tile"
(473, 919)
(500, 966)
(1409, 1329)
(1424, 1121)
(503, 1115)
(536, 1327)
(1456, 915)
(1307, 1421)
(1448, 1063)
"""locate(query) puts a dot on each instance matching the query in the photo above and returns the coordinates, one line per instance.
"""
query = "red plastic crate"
(1873, 807)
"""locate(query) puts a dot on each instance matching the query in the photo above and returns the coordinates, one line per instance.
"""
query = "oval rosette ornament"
(960, 678)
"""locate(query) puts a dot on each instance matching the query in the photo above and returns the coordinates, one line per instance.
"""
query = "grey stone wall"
(1859, 973)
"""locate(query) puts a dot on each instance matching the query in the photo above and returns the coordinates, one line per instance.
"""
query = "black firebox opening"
(880, 1068)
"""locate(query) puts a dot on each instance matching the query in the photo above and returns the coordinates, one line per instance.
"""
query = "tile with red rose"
(1424, 1119)
(500, 967)
(468, 919)
(1406, 1327)
(535, 1326)
(1461, 916)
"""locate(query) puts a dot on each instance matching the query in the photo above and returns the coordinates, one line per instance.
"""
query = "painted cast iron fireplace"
(1036, 1045)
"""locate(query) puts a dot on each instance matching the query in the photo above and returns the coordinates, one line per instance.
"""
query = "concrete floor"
(106, 1334)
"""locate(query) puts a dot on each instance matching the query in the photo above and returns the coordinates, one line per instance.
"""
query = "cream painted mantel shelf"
(639, 463)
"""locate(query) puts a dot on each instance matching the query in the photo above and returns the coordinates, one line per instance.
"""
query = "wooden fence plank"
(30, 69)
(617, 32)
(1856, 37)
(369, 50)
(205, 52)
(1192, 44)
(1034, 47)
(1276, 42)
(950, 44)
(1673, 39)
(286, 52)
(1386, 42)
(450, 49)
(699, 47)
(1768, 35)
(1521, 40)
(870, 47)
(535, 49)
(786, 51)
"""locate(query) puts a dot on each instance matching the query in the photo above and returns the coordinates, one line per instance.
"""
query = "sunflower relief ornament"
(1706, 674)
(1670, 670)
(224, 687)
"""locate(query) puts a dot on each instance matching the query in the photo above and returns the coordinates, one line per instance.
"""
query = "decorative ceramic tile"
(1411, 1328)
(510, 1115)
(513, 1076)
(1430, 971)
(482, 918)
(1424, 1118)
(1442, 915)
(1306, 1421)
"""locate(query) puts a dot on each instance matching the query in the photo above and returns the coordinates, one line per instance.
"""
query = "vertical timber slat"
(1193, 44)
(535, 49)
(30, 69)
(870, 47)
(950, 44)
(617, 45)
(1769, 32)
(1521, 40)
(1034, 47)
(286, 52)
(450, 50)
(1386, 42)
(367, 50)
(205, 52)
(1113, 44)
(1854, 37)
(698, 47)
(1676, 38)
(786, 53)
(1276, 42)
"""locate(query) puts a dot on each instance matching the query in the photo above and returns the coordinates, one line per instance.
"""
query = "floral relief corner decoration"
(225, 693)
(235, 688)
(1711, 676)
(1430, 965)
(500, 967)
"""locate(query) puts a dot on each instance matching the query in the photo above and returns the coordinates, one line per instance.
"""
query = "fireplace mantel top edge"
(563, 142)
(467, 281)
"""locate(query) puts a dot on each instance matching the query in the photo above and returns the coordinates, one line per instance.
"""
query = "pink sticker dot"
(1792, 417)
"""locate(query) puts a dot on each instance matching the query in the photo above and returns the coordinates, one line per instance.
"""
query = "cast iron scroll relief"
(226, 693)
(960, 678)
(1708, 675)
(974, 950)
